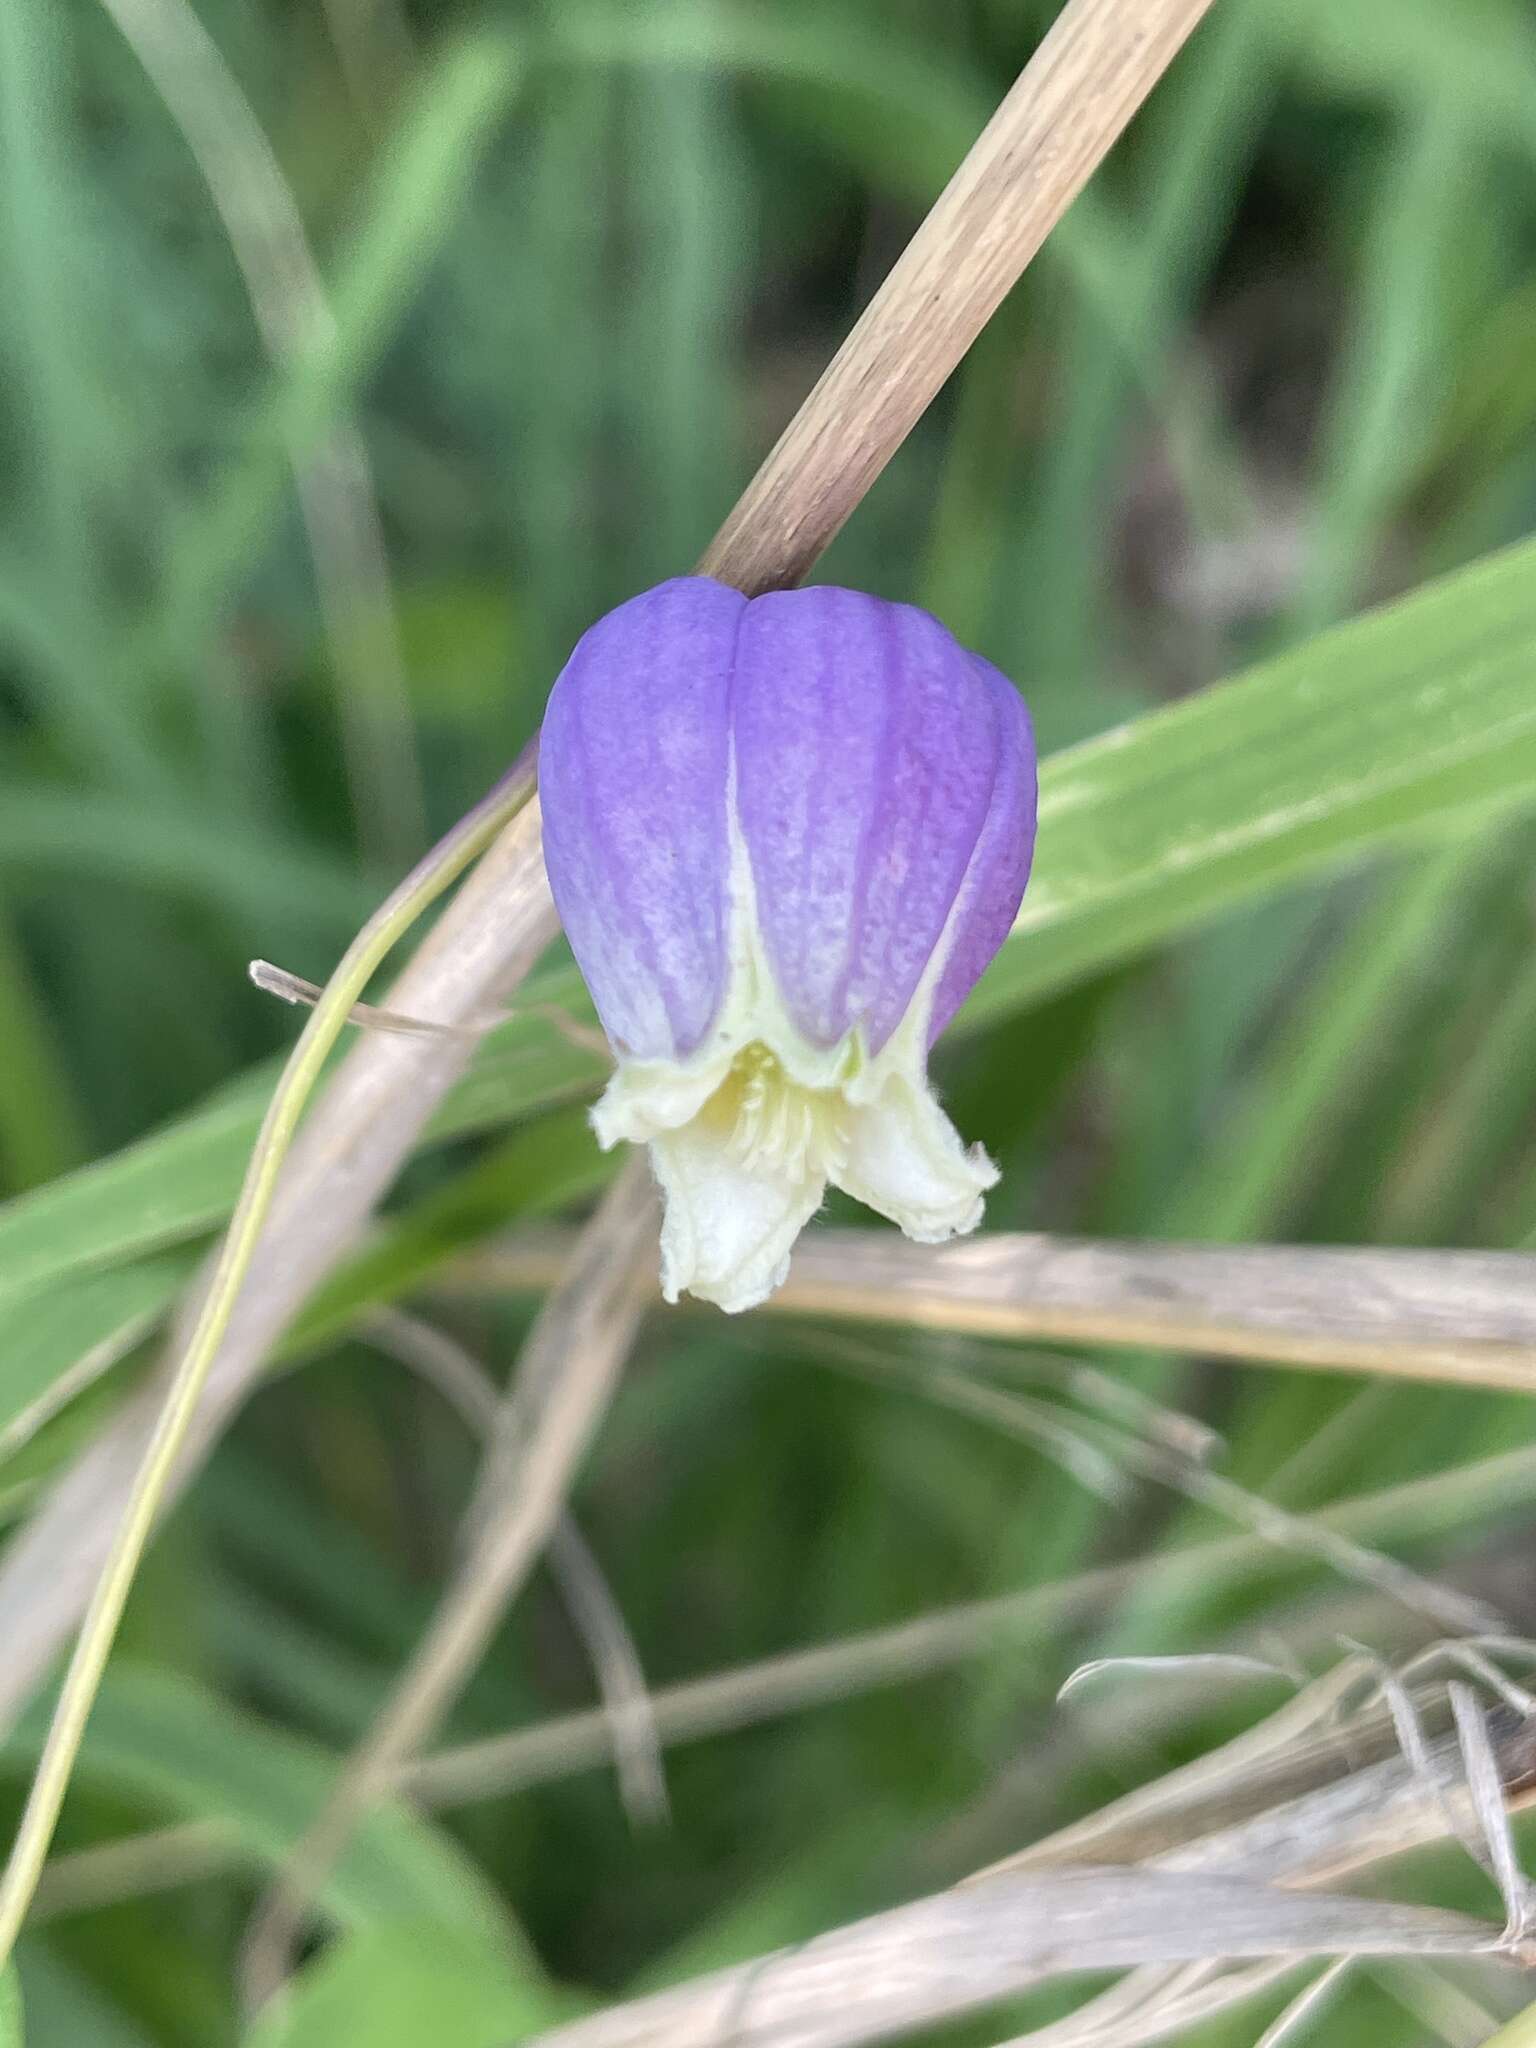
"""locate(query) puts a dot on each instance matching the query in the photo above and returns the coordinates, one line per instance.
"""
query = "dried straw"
(1456, 1318)
(1220, 1863)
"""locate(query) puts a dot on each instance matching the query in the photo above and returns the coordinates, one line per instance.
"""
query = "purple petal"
(633, 767)
(870, 754)
(999, 869)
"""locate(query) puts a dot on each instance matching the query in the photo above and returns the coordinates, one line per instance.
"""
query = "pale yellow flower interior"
(769, 1123)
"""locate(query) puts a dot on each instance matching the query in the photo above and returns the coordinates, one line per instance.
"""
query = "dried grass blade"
(1458, 1318)
(963, 1950)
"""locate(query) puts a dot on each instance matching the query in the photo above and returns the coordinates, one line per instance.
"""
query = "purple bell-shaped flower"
(785, 835)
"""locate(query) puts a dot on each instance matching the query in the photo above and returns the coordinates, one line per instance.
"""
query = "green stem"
(395, 916)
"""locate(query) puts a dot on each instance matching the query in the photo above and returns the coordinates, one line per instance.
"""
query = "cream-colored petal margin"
(905, 1160)
(728, 1230)
(644, 1097)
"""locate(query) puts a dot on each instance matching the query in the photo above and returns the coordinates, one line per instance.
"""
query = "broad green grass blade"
(175, 1185)
(180, 1182)
(49, 1333)
(1416, 53)
(12, 2032)
(157, 1738)
(1520, 2032)
(184, 855)
(63, 2005)
(41, 1128)
(61, 1337)
(1375, 733)
(399, 1987)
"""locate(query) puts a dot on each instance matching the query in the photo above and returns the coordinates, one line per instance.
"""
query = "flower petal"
(867, 745)
(994, 882)
(728, 1229)
(647, 1096)
(904, 1159)
(633, 768)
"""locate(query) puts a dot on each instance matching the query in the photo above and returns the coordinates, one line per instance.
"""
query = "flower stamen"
(770, 1123)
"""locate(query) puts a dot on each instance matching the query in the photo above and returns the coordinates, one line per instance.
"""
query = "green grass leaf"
(1373, 734)
(396, 1987)
(62, 2004)
(1418, 54)
(180, 1182)
(174, 1185)
(204, 859)
(49, 1332)
(158, 1738)
(12, 2034)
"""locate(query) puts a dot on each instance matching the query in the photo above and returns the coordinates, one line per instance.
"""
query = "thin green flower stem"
(421, 888)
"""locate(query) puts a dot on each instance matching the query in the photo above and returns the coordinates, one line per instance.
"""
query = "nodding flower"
(785, 835)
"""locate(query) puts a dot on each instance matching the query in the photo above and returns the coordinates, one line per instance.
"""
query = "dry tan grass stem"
(1454, 1318)
(1093, 70)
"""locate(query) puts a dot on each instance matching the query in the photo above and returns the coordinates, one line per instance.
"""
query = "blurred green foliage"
(519, 294)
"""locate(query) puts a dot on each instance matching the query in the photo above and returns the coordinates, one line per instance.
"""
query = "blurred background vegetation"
(356, 354)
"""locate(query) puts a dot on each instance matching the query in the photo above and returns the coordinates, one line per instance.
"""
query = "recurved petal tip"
(905, 1160)
(728, 1229)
